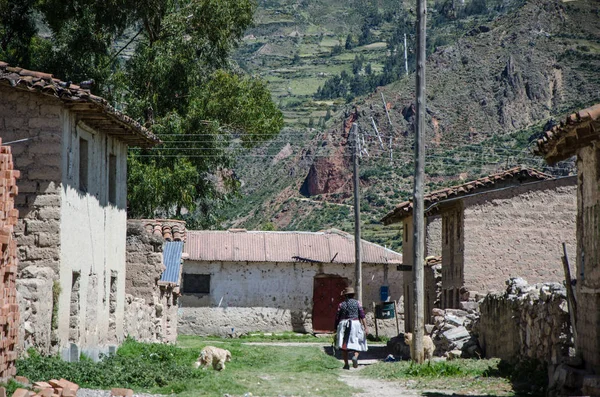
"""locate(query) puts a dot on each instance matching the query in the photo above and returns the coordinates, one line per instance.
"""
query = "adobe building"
(153, 278)
(508, 224)
(71, 149)
(240, 281)
(579, 135)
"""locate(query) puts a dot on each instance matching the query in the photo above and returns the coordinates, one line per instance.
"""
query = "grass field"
(267, 369)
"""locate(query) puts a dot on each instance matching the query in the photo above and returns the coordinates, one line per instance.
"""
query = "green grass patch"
(167, 369)
(435, 369)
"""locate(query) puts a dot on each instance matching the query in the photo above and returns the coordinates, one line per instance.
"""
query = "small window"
(83, 164)
(196, 283)
(112, 179)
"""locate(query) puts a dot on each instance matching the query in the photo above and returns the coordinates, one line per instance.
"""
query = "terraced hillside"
(494, 79)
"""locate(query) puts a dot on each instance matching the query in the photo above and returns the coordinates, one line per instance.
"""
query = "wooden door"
(326, 298)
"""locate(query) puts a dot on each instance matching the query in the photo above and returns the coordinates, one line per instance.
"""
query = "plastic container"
(385, 311)
(384, 293)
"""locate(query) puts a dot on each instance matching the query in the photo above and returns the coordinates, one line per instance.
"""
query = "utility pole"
(405, 55)
(358, 259)
(418, 205)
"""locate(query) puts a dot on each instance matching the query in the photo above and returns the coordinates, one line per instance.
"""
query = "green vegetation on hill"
(497, 73)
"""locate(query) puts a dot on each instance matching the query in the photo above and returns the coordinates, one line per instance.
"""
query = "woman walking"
(351, 328)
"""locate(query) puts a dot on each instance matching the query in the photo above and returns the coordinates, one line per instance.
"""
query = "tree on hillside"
(179, 81)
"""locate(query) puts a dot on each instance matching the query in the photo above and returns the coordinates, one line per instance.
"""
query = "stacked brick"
(9, 309)
(52, 388)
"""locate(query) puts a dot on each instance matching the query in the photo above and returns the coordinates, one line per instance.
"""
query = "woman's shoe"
(355, 362)
(346, 366)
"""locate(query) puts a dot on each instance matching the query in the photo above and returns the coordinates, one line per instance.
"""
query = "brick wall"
(9, 316)
(518, 232)
(24, 115)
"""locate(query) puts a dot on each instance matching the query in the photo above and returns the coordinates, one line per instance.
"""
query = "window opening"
(112, 179)
(83, 164)
(196, 283)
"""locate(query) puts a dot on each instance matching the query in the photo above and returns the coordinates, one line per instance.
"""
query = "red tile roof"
(331, 246)
(82, 102)
(404, 209)
(578, 130)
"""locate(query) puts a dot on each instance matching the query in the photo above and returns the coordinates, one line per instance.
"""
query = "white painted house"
(71, 148)
(240, 281)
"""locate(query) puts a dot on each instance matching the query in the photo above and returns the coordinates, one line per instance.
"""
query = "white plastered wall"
(272, 297)
(93, 237)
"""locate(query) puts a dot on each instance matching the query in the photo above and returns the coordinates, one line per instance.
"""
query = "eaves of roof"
(576, 131)
(405, 209)
(91, 109)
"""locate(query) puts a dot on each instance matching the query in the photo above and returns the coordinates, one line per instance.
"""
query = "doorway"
(326, 298)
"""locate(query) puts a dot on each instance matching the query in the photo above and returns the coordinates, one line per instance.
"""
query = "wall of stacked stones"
(526, 321)
(23, 115)
(9, 316)
(150, 309)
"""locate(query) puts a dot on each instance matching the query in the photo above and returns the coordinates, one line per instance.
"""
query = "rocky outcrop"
(327, 174)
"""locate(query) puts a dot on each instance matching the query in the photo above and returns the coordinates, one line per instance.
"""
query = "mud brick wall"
(588, 257)
(526, 321)
(40, 118)
(150, 308)
(518, 232)
(9, 309)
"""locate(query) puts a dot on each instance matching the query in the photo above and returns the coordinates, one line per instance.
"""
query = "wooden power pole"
(355, 178)
(418, 205)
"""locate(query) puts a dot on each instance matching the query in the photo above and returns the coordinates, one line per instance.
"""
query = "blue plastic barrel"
(384, 293)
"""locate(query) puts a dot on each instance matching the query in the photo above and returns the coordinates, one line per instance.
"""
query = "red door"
(326, 298)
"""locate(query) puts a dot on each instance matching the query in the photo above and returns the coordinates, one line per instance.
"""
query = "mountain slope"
(488, 95)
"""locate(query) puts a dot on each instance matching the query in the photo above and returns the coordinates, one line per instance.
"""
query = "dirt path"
(373, 387)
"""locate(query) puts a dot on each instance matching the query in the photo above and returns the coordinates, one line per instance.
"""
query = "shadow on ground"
(375, 353)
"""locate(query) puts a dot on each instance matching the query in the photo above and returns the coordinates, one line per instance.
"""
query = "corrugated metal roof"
(172, 251)
(258, 246)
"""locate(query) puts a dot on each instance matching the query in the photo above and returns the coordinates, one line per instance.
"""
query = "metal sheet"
(258, 246)
(172, 251)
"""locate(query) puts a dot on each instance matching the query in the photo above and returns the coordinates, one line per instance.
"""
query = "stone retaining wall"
(526, 321)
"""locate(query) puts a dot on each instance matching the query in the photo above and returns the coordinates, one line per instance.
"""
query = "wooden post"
(572, 304)
(397, 315)
(375, 319)
(418, 205)
(357, 257)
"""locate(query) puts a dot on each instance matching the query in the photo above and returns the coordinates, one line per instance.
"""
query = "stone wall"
(526, 321)
(9, 321)
(150, 308)
(25, 115)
